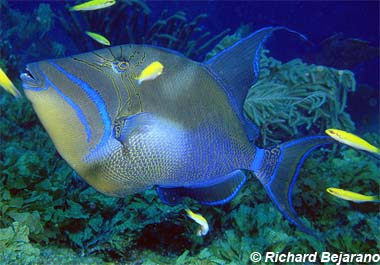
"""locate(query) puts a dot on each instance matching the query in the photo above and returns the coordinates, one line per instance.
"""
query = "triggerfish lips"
(33, 78)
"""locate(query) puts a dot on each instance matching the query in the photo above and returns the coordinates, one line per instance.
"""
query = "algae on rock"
(15, 247)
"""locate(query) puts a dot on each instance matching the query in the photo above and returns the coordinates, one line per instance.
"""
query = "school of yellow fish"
(360, 144)
(95, 5)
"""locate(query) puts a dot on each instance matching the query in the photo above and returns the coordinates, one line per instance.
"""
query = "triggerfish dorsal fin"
(237, 68)
(215, 192)
(277, 169)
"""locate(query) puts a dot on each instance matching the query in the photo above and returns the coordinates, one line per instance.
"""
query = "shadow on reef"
(165, 238)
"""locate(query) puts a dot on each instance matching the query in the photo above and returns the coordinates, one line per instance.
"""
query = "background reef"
(49, 215)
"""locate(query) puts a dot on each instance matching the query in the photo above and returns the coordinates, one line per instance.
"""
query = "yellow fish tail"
(7, 84)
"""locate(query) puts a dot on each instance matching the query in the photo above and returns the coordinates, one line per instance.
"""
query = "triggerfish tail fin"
(242, 61)
(277, 169)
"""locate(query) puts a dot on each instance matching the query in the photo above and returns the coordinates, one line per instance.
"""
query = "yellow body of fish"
(150, 72)
(7, 84)
(200, 220)
(352, 196)
(93, 5)
(352, 140)
(99, 38)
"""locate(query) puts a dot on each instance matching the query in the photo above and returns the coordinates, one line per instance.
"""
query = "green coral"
(294, 95)
(15, 247)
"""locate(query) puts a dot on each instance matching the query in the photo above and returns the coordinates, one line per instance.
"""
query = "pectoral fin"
(138, 123)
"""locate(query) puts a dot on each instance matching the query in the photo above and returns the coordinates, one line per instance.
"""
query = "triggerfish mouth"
(183, 133)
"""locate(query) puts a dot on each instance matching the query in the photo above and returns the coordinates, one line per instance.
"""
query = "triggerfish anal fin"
(237, 68)
(219, 191)
(277, 169)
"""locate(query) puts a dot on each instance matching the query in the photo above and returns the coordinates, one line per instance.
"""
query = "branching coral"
(293, 96)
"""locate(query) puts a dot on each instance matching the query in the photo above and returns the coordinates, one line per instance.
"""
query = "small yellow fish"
(203, 230)
(150, 72)
(352, 196)
(93, 5)
(99, 38)
(352, 140)
(7, 84)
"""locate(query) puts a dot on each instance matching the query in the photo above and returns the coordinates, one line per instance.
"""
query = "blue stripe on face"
(94, 97)
(72, 104)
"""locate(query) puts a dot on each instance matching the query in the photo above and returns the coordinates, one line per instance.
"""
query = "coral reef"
(15, 246)
(293, 97)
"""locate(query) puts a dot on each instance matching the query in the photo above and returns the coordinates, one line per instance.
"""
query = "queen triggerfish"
(184, 133)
